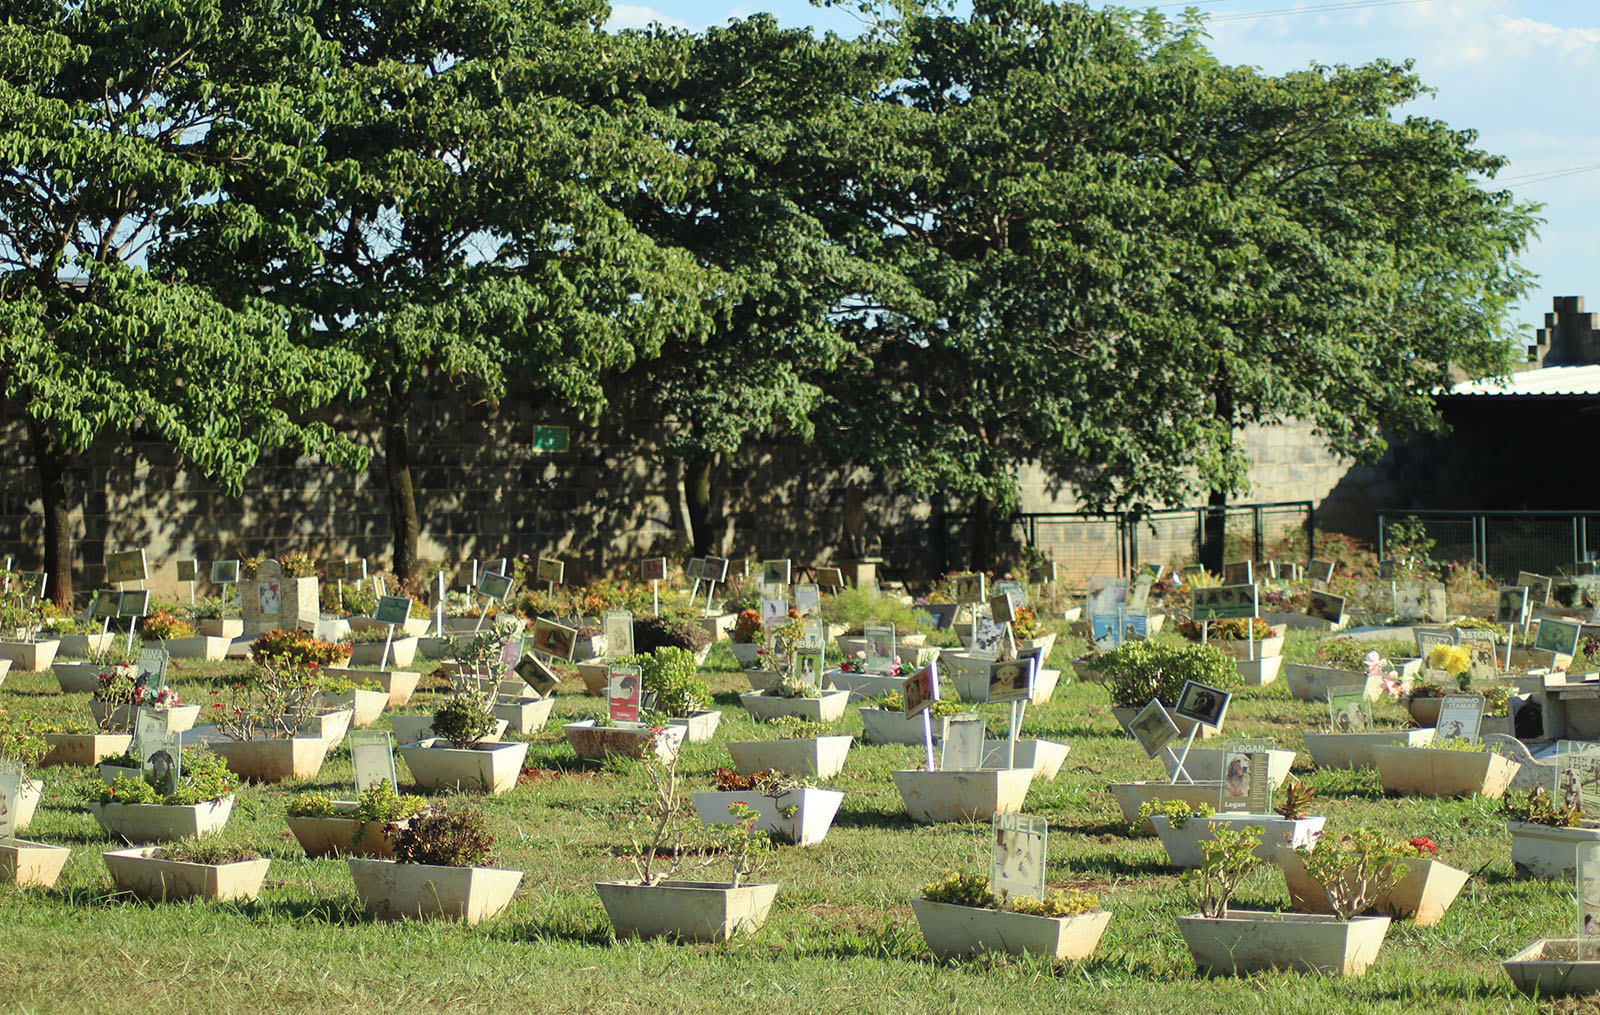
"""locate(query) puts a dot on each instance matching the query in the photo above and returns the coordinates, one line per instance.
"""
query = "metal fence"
(1090, 544)
(1502, 542)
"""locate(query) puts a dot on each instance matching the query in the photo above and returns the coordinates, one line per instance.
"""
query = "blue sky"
(1525, 74)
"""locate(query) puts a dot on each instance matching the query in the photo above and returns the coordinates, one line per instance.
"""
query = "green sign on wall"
(550, 438)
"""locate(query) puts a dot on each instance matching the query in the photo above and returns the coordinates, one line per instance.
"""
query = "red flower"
(1424, 844)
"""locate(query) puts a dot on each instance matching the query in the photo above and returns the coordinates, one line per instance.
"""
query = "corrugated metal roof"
(1569, 380)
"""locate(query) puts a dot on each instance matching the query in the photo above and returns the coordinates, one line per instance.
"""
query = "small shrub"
(651, 633)
(452, 835)
(1141, 670)
(464, 721)
(206, 849)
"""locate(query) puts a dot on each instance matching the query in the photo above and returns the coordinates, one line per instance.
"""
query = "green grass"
(841, 937)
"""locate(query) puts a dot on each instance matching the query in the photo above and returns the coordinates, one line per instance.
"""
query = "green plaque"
(551, 438)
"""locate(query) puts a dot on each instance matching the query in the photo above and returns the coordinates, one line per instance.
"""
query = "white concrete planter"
(1205, 764)
(1045, 757)
(972, 684)
(747, 653)
(199, 646)
(1422, 771)
(394, 891)
(720, 626)
(816, 757)
(814, 810)
(85, 749)
(80, 646)
(762, 680)
(1354, 750)
(162, 822)
(1244, 650)
(222, 627)
(524, 714)
(76, 678)
(827, 708)
(1245, 941)
(366, 707)
(1259, 672)
(884, 726)
(119, 718)
(595, 677)
(370, 653)
(24, 863)
(414, 627)
(1124, 716)
(588, 646)
(27, 803)
(1131, 796)
(1312, 683)
(411, 729)
(1550, 967)
(1183, 844)
(862, 686)
(932, 797)
(956, 931)
(331, 724)
(699, 727)
(1423, 895)
(595, 742)
(487, 768)
(334, 836)
(399, 685)
(1423, 711)
(1545, 851)
(273, 760)
(1046, 641)
(686, 910)
(139, 874)
(30, 656)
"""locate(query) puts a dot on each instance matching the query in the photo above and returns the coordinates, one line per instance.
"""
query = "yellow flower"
(1453, 659)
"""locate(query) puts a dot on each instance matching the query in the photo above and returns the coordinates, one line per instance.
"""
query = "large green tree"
(462, 230)
(111, 115)
(1133, 249)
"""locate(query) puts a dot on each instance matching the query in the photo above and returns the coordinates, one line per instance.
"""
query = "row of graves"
(1220, 809)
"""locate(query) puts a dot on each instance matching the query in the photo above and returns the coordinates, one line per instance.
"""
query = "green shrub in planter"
(1141, 670)
(668, 673)
(651, 633)
(464, 721)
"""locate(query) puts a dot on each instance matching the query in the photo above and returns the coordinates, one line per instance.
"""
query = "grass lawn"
(841, 937)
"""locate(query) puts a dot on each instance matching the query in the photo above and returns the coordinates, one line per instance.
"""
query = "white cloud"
(632, 16)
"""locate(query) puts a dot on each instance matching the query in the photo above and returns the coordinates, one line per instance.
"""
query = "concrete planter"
(762, 680)
(814, 810)
(370, 653)
(1205, 764)
(932, 797)
(1045, 757)
(199, 646)
(816, 757)
(861, 686)
(523, 714)
(487, 768)
(76, 678)
(1422, 771)
(162, 822)
(699, 727)
(139, 874)
(1354, 750)
(79, 646)
(720, 626)
(884, 726)
(1183, 844)
(1259, 672)
(956, 931)
(411, 729)
(333, 836)
(1423, 895)
(1551, 966)
(747, 653)
(911, 650)
(1131, 796)
(1245, 941)
(596, 677)
(25, 864)
(1045, 641)
(1124, 716)
(366, 707)
(27, 803)
(400, 685)
(1312, 683)
(827, 708)
(588, 646)
(1423, 711)
(119, 718)
(85, 749)
(273, 760)
(1244, 650)
(414, 627)
(222, 627)
(395, 891)
(1546, 851)
(686, 910)
(595, 742)
(30, 656)
(972, 683)
(330, 724)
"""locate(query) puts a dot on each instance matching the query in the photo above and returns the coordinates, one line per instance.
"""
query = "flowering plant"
(1422, 848)
(858, 664)
(162, 624)
(1453, 659)
(747, 630)
(1375, 665)
(1024, 624)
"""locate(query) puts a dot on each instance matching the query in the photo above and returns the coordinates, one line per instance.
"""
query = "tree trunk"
(697, 471)
(50, 458)
(402, 496)
(1215, 532)
(982, 533)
